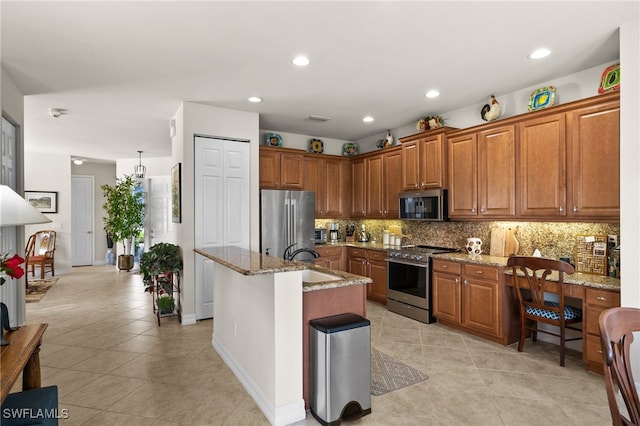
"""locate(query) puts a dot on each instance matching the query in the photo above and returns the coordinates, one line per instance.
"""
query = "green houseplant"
(166, 303)
(160, 263)
(124, 207)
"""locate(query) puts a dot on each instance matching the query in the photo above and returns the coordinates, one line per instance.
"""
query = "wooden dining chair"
(40, 251)
(537, 279)
(616, 328)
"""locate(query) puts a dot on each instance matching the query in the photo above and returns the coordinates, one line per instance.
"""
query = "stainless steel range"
(409, 278)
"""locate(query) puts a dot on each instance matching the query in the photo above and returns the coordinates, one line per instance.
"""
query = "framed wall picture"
(176, 190)
(44, 201)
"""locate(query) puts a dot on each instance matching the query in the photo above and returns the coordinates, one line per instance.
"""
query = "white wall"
(196, 119)
(52, 172)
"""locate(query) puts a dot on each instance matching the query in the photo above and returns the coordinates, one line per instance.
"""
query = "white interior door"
(158, 225)
(221, 208)
(82, 233)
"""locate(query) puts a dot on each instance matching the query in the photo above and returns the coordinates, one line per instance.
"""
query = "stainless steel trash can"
(340, 368)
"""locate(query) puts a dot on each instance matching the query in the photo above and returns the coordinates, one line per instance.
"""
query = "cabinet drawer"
(446, 267)
(591, 317)
(608, 299)
(329, 251)
(593, 349)
(376, 255)
(356, 252)
(482, 272)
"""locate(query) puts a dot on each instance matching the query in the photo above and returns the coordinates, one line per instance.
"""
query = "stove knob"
(405, 255)
(418, 257)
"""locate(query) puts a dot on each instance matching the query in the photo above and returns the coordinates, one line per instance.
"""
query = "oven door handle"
(420, 265)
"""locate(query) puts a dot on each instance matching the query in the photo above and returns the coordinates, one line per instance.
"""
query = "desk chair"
(616, 327)
(40, 251)
(530, 281)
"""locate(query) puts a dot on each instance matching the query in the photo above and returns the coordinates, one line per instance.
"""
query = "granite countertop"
(369, 246)
(248, 262)
(578, 278)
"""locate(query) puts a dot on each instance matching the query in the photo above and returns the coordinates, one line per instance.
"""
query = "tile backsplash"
(553, 239)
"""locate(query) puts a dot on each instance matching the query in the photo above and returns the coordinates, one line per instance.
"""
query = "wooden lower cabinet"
(331, 257)
(372, 264)
(595, 301)
(473, 298)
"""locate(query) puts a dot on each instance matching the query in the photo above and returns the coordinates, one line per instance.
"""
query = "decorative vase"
(474, 246)
(110, 257)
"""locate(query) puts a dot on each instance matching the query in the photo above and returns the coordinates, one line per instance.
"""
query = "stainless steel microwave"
(424, 205)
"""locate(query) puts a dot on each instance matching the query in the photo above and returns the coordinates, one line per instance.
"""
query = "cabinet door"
(463, 176)
(481, 306)
(432, 162)
(269, 169)
(357, 265)
(594, 148)
(336, 187)
(291, 171)
(378, 274)
(374, 182)
(314, 181)
(542, 167)
(446, 297)
(358, 195)
(392, 183)
(497, 172)
(410, 166)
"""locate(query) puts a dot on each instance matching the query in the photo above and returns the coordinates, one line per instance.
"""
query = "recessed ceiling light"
(301, 61)
(368, 119)
(432, 94)
(78, 162)
(255, 99)
(540, 53)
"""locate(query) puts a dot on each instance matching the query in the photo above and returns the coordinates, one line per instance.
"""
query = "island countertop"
(248, 262)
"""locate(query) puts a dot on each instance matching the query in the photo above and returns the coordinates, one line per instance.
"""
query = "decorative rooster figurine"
(491, 111)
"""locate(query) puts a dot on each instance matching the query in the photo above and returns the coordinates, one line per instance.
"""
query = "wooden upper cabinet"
(497, 172)
(374, 169)
(542, 167)
(392, 165)
(281, 168)
(358, 185)
(594, 160)
(463, 176)
(330, 178)
(424, 160)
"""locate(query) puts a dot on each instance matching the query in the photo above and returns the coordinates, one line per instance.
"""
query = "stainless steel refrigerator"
(286, 218)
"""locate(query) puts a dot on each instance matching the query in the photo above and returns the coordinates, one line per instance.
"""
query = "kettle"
(363, 236)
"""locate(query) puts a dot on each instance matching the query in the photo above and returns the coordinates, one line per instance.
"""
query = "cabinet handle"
(473, 210)
(601, 298)
(465, 282)
(561, 209)
(482, 210)
(457, 280)
(445, 266)
(575, 209)
(479, 272)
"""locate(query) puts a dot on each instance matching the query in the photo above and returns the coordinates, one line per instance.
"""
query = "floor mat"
(38, 288)
(389, 374)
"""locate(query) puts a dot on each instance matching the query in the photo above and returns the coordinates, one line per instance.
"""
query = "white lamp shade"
(15, 210)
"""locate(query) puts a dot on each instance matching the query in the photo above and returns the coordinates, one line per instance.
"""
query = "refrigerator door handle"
(294, 221)
(287, 222)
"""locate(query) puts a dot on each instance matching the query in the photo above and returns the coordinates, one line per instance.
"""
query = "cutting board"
(503, 241)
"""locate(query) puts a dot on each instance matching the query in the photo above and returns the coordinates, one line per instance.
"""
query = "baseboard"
(188, 319)
(283, 415)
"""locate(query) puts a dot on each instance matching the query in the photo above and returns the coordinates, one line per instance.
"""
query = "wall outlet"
(612, 240)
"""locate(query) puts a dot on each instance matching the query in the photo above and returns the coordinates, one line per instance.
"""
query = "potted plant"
(125, 216)
(165, 303)
(159, 264)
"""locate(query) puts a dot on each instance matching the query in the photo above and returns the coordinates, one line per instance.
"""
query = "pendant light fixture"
(139, 170)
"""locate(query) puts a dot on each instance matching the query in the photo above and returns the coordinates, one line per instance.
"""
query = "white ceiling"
(121, 69)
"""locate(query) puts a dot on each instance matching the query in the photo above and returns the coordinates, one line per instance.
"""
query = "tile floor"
(114, 366)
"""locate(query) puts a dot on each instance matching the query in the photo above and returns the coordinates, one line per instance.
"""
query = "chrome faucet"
(304, 250)
(288, 255)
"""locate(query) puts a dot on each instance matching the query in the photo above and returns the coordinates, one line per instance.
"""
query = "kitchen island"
(262, 308)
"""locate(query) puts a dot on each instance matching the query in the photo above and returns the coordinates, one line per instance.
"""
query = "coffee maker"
(334, 232)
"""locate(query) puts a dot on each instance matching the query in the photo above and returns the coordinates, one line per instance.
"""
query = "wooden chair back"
(535, 271)
(42, 243)
(616, 327)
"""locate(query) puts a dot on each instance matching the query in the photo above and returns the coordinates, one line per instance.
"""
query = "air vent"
(318, 118)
